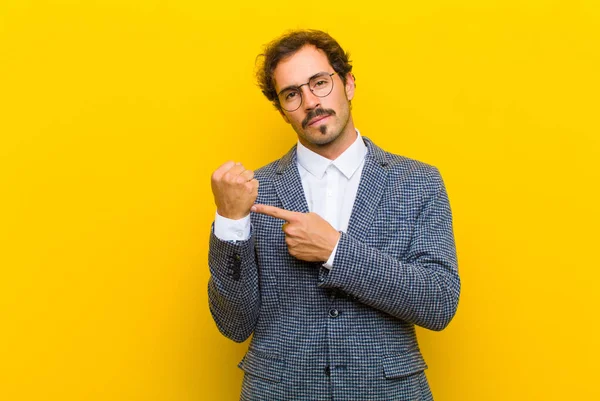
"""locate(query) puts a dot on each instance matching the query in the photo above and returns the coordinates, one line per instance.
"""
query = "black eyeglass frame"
(321, 74)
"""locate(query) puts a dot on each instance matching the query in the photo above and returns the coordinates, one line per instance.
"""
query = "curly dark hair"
(288, 44)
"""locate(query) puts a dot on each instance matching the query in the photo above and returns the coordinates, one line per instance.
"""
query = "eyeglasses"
(320, 85)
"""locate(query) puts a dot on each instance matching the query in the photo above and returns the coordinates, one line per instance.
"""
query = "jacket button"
(327, 371)
(334, 313)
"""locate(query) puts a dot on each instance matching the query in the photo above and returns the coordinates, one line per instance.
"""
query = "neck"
(335, 148)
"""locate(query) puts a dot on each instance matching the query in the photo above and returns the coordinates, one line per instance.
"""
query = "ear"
(285, 118)
(350, 86)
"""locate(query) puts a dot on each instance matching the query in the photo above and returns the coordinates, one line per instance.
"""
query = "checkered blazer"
(349, 333)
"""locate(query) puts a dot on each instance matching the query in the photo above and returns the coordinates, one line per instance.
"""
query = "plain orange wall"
(113, 114)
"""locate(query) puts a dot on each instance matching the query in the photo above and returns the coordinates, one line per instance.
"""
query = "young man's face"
(322, 127)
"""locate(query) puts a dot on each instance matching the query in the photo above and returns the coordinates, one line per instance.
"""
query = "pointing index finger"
(276, 212)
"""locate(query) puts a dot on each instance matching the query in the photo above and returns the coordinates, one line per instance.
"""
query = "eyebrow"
(297, 86)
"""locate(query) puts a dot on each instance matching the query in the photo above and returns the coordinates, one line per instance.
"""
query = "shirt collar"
(348, 162)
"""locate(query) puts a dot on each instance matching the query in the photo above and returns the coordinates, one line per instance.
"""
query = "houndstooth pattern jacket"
(347, 333)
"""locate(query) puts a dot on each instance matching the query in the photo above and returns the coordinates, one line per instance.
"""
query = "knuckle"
(224, 167)
(229, 178)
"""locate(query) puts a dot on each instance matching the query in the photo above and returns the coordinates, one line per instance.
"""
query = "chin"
(322, 139)
(316, 136)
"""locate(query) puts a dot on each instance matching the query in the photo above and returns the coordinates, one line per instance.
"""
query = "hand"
(308, 236)
(235, 190)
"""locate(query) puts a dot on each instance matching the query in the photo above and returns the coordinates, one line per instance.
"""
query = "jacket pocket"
(404, 364)
(391, 237)
(262, 365)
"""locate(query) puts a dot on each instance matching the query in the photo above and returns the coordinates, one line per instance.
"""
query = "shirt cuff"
(232, 230)
(329, 263)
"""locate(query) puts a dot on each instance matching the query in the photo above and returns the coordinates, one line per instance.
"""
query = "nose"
(311, 101)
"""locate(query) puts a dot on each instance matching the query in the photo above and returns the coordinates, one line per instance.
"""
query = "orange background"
(113, 114)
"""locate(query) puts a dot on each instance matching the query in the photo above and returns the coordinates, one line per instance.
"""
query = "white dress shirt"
(330, 188)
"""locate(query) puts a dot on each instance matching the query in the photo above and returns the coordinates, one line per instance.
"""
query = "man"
(337, 255)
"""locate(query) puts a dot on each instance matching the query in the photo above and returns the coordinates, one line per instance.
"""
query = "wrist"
(332, 243)
(232, 215)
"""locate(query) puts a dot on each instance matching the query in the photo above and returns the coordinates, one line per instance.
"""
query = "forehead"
(299, 67)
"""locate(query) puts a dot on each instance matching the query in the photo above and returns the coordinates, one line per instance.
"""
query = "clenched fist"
(235, 190)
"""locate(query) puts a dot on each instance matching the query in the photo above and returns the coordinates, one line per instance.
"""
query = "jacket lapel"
(372, 185)
(370, 190)
(288, 184)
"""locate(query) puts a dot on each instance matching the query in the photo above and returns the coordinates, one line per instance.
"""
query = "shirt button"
(333, 313)
(239, 233)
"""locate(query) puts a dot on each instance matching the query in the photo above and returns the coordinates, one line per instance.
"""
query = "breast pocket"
(392, 236)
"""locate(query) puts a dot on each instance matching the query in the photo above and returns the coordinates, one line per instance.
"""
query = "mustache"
(317, 113)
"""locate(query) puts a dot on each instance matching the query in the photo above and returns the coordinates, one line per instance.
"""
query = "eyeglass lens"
(291, 99)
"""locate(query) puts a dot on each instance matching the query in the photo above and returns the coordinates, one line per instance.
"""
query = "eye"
(320, 83)
(290, 95)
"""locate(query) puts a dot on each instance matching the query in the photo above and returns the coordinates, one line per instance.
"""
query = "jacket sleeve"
(423, 288)
(233, 289)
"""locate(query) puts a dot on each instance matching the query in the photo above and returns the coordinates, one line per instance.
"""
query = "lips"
(316, 115)
(317, 119)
